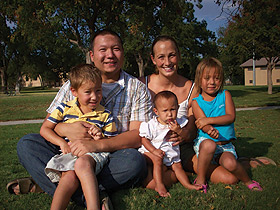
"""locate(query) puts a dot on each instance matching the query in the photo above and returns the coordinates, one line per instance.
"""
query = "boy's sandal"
(255, 186)
(204, 186)
(26, 185)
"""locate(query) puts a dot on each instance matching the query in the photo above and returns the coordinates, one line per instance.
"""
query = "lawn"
(258, 134)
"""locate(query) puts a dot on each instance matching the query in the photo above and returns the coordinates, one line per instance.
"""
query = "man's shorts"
(219, 149)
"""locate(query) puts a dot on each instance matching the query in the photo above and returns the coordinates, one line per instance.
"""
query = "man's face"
(107, 54)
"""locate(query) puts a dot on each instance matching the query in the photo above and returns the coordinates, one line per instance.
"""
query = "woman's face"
(166, 57)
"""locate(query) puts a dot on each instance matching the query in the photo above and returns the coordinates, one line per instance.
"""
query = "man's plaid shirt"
(129, 101)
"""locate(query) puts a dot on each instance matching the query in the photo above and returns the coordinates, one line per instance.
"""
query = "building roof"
(261, 62)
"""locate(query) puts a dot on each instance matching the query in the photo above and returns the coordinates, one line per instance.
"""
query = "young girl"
(69, 170)
(215, 114)
(156, 149)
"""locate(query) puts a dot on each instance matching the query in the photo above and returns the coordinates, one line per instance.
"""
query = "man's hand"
(77, 131)
(81, 147)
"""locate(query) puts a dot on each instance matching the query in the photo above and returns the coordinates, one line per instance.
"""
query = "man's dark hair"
(105, 32)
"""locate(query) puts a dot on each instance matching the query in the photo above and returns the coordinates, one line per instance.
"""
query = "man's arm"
(128, 139)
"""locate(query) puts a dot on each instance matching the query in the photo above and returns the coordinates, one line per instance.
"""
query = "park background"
(45, 38)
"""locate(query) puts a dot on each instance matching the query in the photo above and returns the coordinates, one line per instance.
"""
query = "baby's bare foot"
(194, 187)
(160, 188)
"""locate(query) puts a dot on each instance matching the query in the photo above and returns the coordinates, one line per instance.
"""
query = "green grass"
(33, 102)
(258, 135)
(30, 104)
(254, 96)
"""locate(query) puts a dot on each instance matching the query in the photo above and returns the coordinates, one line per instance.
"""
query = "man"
(130, 103)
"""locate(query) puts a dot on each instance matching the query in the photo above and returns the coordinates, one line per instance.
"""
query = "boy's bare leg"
(67, 185)
(183, 178)
(85, 170)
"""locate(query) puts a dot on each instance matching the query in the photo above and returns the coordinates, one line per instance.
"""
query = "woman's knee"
(220, 175)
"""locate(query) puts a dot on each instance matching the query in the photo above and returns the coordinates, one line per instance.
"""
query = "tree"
(256, 29)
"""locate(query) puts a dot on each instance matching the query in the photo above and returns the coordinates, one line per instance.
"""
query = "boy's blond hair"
(208, 63)
(82, 73)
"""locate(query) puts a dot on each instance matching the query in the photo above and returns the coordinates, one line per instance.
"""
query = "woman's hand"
(159, 153)
(174, 137)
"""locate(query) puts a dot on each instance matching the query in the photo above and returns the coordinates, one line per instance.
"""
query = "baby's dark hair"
(82, 73)
(208, 63)
(164, 94)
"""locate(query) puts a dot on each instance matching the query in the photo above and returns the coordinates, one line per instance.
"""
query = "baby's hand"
(174, 126)
(95, 132)
(159, 153)
(65, 148)
(201, 122)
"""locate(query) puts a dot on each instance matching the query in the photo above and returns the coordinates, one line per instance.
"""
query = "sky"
(211, 12)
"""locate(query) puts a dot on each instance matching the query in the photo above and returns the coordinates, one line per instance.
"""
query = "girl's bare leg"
(228, 161)
(67, 185)
(85, 170)
(206, 152)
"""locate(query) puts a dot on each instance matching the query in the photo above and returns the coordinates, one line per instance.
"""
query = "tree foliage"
(255, 29)
(57, 33)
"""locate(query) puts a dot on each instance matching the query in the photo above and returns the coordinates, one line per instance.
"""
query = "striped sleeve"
(57, 115)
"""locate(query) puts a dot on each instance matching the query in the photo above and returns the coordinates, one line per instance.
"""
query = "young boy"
(86, 83)
(155, 147)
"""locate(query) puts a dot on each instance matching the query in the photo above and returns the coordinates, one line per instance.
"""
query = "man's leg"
(125, 168)
(34, 152)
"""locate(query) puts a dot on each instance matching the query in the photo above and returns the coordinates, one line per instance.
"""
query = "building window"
(250, 69)
(277, 80)
(250, 81)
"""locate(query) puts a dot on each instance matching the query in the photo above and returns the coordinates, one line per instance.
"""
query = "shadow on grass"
(246, 148)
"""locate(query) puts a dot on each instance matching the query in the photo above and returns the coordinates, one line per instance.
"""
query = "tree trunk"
(88, 59)
(18, 85)
(41, 81)
(140, 63)
(4, 79)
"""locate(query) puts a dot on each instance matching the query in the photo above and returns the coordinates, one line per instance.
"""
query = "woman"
(165, 56)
